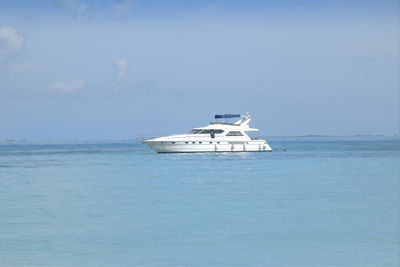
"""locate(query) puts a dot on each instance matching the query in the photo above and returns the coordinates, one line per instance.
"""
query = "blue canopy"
(227, 116)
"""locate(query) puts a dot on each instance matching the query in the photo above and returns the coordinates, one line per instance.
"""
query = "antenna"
(246, 116)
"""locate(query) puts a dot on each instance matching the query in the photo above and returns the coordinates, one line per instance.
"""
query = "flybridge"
(227, 116)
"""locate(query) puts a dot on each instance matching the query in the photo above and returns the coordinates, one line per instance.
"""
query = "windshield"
(199, 131)
(195, 131)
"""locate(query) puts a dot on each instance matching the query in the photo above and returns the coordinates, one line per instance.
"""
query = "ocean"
(325, 201)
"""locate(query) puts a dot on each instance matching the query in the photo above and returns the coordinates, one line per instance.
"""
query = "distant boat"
(215, 137)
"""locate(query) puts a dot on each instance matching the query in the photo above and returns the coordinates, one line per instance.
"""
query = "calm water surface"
(323, 202)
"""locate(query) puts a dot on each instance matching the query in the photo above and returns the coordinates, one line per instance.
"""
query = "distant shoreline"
(139, 138)
(323, 135)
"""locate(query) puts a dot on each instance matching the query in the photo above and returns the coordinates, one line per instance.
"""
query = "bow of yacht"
(215, 137)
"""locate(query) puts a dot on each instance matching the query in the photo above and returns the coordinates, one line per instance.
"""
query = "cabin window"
(162, 142)
(200, 142)
(198, 131)
(234, 133)
(193, 142)
(187, 142)
(210, 142)
(217, 142)
(207, 131)
(173, 142)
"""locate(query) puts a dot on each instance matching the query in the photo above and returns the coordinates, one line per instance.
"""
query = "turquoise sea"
(323, 202)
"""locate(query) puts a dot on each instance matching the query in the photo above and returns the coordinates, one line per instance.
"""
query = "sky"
(102, 70)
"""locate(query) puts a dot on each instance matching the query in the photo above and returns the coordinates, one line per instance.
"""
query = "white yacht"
(215, 137)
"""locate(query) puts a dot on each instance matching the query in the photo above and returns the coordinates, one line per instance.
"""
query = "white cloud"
(25, 66)
(65, 87)
(121, 68)
(10, 41)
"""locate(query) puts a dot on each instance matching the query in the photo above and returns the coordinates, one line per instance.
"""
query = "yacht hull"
(197, 147)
